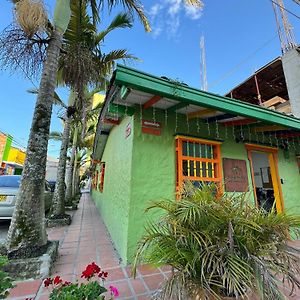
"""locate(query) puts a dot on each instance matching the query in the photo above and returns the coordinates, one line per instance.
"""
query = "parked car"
(52, 184)
(9, 188)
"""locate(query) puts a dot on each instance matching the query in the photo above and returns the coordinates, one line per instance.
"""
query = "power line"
(288, 11)
(237, 66)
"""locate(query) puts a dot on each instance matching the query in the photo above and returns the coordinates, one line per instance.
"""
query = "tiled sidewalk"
(84, 241)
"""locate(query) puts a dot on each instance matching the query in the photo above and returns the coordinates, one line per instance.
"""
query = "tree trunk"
(74, 177)
(27, 233)
(70, 173)
(59, 193)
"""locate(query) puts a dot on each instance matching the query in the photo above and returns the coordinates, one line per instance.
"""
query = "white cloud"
(155, 9)
(192, 12)
(166, 16)
(174, 6)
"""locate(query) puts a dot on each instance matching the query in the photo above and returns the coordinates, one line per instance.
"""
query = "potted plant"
(221, 246)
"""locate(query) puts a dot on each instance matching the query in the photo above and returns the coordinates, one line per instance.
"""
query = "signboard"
(151, 127)
(235, 175)
(2, 145)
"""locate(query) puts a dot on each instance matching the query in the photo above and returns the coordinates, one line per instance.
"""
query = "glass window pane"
(185, 167)
(184, 148)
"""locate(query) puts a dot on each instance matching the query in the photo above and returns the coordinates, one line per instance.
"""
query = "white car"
(9, 188)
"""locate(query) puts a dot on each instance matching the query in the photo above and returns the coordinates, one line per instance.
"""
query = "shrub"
(92, 289)
(221, 246)
(5, 280)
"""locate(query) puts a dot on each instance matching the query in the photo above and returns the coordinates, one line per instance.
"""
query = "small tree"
(221, 247)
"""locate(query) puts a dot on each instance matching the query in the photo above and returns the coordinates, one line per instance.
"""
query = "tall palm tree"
(27, 234)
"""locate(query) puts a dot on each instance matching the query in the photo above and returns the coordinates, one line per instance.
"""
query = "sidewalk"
(84, 241)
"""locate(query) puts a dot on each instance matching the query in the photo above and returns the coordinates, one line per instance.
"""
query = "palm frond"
(122, 20)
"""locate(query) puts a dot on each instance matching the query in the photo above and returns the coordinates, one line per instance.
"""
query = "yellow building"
(16, 155)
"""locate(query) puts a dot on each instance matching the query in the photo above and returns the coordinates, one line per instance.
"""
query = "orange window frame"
(215, 161)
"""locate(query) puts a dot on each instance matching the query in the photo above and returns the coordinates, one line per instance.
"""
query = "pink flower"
(114, 291)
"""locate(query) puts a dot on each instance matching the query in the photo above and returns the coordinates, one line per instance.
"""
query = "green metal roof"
(125, 76)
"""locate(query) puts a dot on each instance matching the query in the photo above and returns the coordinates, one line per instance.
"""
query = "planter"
(35, 267)
(63, 220)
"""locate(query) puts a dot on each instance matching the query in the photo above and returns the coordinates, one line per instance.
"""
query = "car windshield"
(10, 181)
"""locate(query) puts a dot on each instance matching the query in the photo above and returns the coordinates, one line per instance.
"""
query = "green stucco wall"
(113, 203)
(289, 173)
(142, 168)
(154, 165)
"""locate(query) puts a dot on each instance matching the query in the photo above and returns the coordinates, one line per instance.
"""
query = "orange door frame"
(273, 161)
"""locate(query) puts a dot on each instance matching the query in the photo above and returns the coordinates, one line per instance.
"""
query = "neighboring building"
(15, 161)
(275, 85)
(51, 168)
(154, 133)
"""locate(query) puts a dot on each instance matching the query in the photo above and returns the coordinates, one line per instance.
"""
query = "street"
(4, 225)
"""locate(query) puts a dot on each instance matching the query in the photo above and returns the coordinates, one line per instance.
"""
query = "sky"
(240, 37)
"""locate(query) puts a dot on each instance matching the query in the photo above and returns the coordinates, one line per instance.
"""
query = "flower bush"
(92, 289)
(5, 280)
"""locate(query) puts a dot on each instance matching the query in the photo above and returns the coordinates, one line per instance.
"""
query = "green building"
(154, 133)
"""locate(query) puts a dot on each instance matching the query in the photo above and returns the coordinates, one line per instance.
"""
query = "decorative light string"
(153, 114)
(276, 140)
(241, 133)
(166, 117)
(233, 132)
(270, 139)
(198, 125)
(217, 130)
(141, 111)
(249, 132)
(208, 128)
(226, 132)
(187, 119)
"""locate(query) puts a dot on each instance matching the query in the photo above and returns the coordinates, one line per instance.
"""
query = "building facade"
(154, 134)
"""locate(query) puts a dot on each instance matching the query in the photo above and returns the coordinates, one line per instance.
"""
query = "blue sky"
(240, 37)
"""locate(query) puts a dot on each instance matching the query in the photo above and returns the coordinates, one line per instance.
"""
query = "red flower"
(57, 280)
(66, 283)
(47, 281)
(90, 271)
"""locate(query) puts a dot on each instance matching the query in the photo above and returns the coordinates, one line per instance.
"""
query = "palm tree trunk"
(74, 177)
(27, 233)
(59, 193)
(70, 172)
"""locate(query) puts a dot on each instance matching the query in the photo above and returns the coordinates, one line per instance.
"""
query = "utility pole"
(203, 77)
(284, 28)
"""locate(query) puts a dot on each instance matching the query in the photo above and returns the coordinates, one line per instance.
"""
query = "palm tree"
(27, 233)
(84, 64)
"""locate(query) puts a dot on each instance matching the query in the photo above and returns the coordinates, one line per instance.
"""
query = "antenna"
(284, 28)
(203, 78)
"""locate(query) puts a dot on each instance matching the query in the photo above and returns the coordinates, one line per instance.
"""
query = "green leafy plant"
(92, 289)
(221, 247)
(5, 280)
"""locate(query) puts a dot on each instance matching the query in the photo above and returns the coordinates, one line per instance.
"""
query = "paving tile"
(115, 274)
(64, 269)
(138, 286)
(24, 288)
(154, 281)
(147, 269)
(123, 288)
